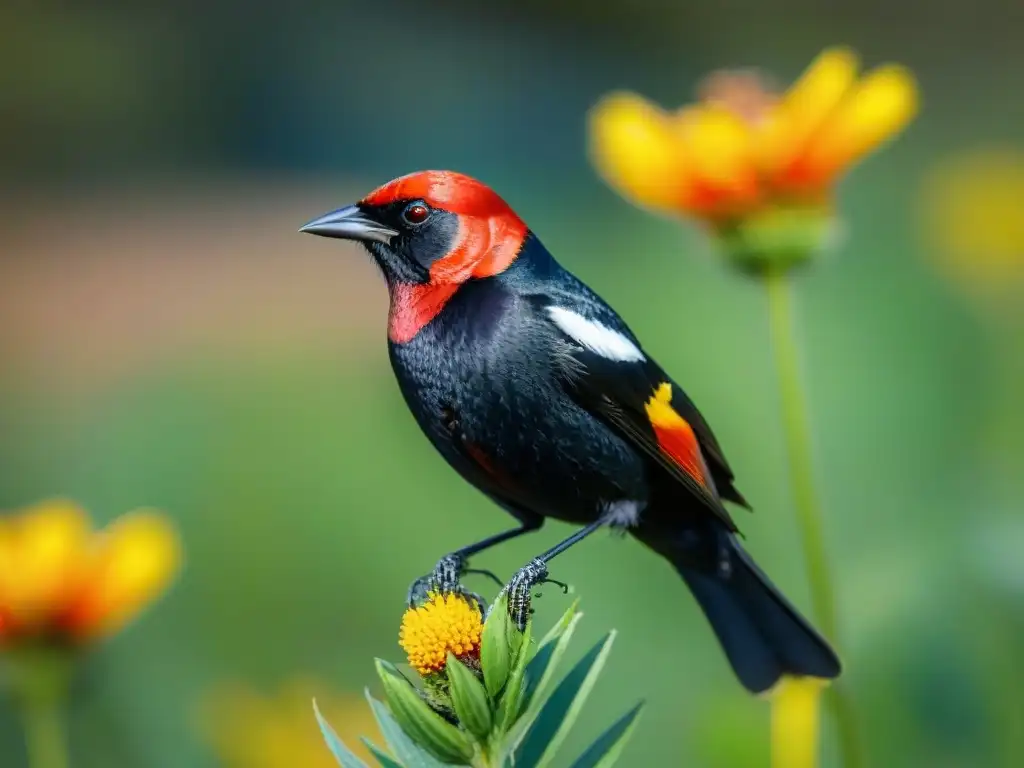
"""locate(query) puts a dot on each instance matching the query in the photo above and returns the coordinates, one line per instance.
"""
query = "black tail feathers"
(762, 634)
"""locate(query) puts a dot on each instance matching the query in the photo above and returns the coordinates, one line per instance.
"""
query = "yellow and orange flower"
(61, 580)
(446, 623)
(973, 224)
(745, 148)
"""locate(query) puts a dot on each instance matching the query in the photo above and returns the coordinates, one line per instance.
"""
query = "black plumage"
(537, 393)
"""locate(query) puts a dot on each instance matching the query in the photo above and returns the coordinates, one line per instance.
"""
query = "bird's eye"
(416, 213)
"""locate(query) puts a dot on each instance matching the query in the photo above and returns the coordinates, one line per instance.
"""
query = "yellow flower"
(444, 624)
(61, 580)
(974, 220)
(251, 730)
(796, 722)
(745, 148)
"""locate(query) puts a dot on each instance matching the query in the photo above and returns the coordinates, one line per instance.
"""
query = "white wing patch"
(595, 336)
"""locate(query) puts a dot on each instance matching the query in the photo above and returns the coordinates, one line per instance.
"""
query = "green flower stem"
(797, 428)
(798, 445)
(44, 736)
(39, 680)
(486, 758)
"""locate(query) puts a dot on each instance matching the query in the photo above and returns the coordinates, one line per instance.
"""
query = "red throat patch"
(413, 305)
(489, 238)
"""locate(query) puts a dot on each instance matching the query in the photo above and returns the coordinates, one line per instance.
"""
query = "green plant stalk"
(797, 429)
(39, 679)
(480, 760)
(44, 735)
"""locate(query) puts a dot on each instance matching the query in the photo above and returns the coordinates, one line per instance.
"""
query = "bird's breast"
(488, 398)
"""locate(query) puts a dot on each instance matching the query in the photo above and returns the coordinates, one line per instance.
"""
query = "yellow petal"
(796, 722)
(41, 555)
(633, 145)
(789, 126)
(716, 147)
(878, 108)
(134, 560)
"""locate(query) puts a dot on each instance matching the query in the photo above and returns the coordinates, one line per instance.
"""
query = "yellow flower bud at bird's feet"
(446, 623)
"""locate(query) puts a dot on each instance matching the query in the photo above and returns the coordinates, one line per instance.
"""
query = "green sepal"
(496, 651)
(777, 239)
(605, 751)
(558, 714)
(344, 756)
(423, 724)
(469, 698)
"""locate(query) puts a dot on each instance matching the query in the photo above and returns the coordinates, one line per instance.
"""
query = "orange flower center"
(747, 93)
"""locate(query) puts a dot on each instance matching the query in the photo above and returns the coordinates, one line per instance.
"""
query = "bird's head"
(437, 228)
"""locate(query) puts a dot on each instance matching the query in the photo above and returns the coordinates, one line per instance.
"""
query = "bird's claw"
(526, 578)
(560, 584)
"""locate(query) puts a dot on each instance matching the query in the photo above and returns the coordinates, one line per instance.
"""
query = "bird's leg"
(536, 572)
(499, 538)
(449, 570)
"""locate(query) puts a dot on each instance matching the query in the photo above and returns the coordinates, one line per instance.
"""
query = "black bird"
(538, 394)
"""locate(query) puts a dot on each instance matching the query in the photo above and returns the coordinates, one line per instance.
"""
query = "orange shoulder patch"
(674, 434)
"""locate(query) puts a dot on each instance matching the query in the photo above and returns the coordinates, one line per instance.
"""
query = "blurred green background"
(168, 339)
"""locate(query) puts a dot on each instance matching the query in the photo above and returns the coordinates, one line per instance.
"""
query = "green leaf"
(536, 670)
(427, 727)
(513, 693)
(408, 752)
(385, 760)
(606, 750)
(341, 753)
(557, 715)
(562, 624)
(469, 698)
(540, 672)
(496, 652)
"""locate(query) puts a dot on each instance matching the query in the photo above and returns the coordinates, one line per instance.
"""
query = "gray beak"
(349, 223)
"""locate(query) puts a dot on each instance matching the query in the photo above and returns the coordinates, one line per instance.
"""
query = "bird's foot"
(446, 579)
(526, 578)
(417, 594)
(447, 574)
